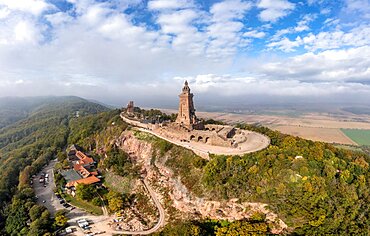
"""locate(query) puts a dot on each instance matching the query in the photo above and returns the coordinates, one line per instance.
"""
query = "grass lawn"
(359, 136)
(117, 183)
(95, 210)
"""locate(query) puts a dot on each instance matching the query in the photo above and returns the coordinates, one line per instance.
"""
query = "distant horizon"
(244, 108)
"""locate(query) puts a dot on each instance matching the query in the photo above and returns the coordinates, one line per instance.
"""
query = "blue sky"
(260, 50)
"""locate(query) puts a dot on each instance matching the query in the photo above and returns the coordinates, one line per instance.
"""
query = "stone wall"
(217, 135)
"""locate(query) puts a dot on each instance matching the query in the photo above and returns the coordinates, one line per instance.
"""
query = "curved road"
(161, 215)
(102, 221)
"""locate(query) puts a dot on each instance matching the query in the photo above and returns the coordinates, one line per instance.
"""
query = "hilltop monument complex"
(192, 133)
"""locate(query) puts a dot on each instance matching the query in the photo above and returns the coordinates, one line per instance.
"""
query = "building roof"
(84, 159)
(81, 155)
(71, 175)
(89, 180)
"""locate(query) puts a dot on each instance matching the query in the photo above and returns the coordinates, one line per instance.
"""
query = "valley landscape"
(184, 117)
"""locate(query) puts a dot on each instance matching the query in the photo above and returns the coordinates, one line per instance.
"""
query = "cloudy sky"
(228, 50)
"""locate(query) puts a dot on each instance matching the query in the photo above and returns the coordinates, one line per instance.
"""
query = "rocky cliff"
(161, 176)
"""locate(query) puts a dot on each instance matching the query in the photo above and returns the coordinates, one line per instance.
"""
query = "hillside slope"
(33, 140)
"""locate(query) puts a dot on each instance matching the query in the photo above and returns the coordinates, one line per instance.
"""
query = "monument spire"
(186, 88)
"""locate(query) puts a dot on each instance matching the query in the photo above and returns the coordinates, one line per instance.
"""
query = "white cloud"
(179, 27)
(169, 4)
(341, 73)
(360, 7)
(345, 65)
(356, 37)
(285, 44)
(254, 34)
(35, 7)
(25, 32)
(97, 50)
(4, 12)
(229, 10)
(225, 30)
(274, 9)
(59, 18)
(226, 85)
(302, 25)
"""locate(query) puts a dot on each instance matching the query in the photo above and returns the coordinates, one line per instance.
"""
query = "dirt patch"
(316, 134)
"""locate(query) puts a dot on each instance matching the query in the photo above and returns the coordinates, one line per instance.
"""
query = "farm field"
(360, 136)
(330, 135)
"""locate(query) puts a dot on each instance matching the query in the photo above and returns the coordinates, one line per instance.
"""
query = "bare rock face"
(185, 201)
(137, 149)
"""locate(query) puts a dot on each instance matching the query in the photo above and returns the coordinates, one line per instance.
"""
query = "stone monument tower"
(186, 116)
(130, 107)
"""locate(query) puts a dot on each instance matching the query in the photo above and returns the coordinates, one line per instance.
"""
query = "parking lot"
(43, 184)
(94, 225)
(45, 190)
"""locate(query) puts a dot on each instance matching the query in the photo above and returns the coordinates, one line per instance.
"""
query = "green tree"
(86, 192)
(115, 201)
(60, 218)
(36, 211)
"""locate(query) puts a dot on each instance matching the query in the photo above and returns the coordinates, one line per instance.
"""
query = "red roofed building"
(83, 171)
(89, 180)
(84, 159)
(82, 168)
(81, 155)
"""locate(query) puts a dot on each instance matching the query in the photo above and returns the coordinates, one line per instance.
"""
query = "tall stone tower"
(130, 107)
(186, 116)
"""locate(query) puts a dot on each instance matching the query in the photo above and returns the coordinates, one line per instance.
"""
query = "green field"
(359, 136)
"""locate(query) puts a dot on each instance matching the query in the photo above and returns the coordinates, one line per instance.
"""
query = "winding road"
(102, 222)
